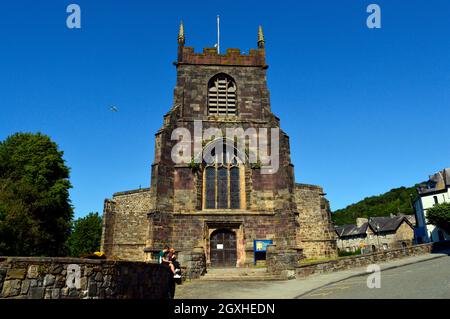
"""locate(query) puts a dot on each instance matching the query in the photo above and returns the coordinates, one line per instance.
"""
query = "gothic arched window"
(222, 180)
(221, 95)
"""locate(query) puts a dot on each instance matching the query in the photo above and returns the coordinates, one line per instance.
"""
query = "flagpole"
(218, 34)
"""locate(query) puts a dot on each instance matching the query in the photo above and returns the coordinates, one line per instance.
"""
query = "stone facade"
(75, 278)
(364, 234)
(137, 224)
(125, 224)
(282, 261)
(317, 235)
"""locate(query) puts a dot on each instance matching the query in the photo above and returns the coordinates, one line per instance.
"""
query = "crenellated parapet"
(232, 57)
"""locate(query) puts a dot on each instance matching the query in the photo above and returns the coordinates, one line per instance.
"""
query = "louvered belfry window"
(222, 95)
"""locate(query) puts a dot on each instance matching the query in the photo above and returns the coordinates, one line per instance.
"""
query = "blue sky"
(366, 110)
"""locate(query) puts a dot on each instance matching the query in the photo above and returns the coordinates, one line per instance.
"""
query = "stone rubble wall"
(282, 261)
(344, 263)
(195, 264)
(316, 235)
(125, 226)
(76, 278)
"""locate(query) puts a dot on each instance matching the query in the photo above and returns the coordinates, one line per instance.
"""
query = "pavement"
(425, 280)
(402, 270)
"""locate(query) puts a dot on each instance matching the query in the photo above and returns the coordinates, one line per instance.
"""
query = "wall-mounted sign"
(219, 246)
(261, 245)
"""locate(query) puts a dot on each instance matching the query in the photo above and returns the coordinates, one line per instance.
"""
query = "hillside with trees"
(396, 201)
(85, 236)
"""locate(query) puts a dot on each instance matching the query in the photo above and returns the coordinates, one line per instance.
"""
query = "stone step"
(243, 274)
(242, 278)
(239, 274)
(237, 270)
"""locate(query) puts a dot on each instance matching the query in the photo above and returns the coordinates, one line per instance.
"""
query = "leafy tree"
(396, 201)
(439, 215)
(86, 235)
(35, 209)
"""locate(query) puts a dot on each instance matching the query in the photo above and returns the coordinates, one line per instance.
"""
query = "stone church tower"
(217, 210)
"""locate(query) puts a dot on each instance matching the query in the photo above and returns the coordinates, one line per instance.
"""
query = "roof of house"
(436, 182)
(377, 224)
(386, 224)
(411, 219)
(351, 230)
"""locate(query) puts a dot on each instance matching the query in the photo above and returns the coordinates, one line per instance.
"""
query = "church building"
(225, 211)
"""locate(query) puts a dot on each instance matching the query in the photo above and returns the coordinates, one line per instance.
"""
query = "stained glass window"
(234, 188)
(222, 179)
(222, 187)
(210, 193)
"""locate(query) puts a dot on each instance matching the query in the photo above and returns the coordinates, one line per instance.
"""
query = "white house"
(435, 191)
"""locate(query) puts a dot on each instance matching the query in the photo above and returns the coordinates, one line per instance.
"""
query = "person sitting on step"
(175, 263)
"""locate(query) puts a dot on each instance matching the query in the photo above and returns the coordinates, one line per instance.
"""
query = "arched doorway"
(223, 248)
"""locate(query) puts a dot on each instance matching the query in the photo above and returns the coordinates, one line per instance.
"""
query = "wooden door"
(223, 248)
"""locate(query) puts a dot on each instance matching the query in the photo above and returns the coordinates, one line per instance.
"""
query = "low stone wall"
(282, 261)
(193, 263)
(344, 263)
(75, 278)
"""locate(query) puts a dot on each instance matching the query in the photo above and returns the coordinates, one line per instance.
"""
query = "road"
(416, 277)
(425, 280)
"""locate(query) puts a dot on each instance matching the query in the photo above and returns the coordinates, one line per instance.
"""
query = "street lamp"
(378, 236)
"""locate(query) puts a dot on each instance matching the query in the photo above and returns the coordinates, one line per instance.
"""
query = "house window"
(431, 185)
(221, 95)
(436, 201)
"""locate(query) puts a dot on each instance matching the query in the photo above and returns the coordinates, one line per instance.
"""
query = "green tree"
(35, 209)
(396, 201)
(439, 215)
(86, 235)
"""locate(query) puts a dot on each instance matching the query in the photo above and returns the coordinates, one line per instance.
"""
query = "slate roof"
(436, 182)
(386, 224)
(351, 230)
(377, 224)
(411, 219)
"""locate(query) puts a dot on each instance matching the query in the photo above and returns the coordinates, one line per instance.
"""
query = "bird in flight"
(114, 109)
